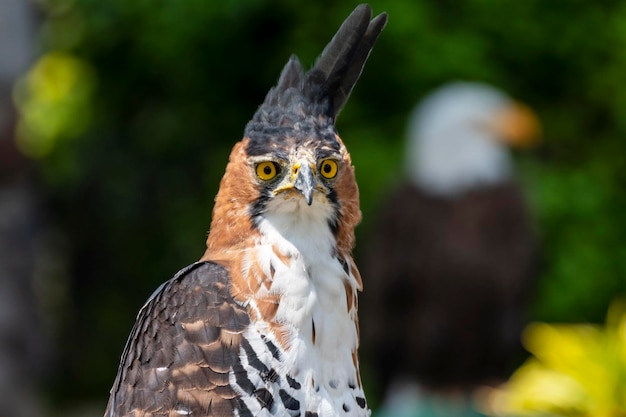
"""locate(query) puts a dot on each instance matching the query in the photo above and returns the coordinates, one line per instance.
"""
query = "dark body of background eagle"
(451, 257)
(266, 323)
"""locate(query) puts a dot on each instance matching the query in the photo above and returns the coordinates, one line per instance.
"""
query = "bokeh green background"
(132, 108)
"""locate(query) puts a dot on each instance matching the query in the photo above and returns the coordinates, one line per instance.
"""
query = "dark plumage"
(304, 105)
(190, 319)
(448, 291)
(452, 256)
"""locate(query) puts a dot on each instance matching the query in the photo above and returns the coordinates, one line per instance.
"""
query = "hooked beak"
(519, 126)
(305, 181)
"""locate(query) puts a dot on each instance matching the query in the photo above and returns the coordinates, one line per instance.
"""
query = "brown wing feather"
(184, 344)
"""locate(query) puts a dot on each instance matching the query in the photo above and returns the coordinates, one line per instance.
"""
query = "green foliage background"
(158, 91)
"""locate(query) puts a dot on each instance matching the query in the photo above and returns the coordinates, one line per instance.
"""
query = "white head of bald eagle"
(458, 138)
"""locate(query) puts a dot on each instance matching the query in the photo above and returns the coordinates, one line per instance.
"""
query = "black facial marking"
(310, 414)
(346, 408)
(332, 196)
(333, 222)
(258, 207)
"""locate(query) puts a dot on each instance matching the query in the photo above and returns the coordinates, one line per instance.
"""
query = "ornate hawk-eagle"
(265, 324)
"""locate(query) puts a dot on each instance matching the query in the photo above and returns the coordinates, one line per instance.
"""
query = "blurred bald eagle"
(452, 256)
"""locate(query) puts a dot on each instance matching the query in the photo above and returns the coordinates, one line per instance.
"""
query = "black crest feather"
(342, 61)
(318, 95)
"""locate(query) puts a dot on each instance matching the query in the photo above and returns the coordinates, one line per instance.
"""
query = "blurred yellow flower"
(575, 370)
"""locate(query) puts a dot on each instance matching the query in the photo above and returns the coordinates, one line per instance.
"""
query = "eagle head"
(291, 161)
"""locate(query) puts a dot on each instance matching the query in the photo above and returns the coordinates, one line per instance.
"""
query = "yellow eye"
(328, 168)
(266, 170)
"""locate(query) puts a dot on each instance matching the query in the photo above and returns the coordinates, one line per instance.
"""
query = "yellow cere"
(328, 168)
(266, 170)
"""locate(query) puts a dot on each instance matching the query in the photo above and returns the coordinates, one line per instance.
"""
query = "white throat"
(313, 304)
